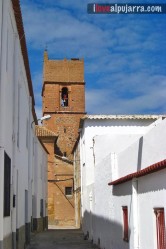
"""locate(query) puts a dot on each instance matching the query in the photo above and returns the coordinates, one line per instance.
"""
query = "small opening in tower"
(64, 96)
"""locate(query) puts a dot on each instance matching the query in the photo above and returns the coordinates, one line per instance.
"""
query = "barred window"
(7, 176)
(42, 208)
(160, 228)
(68, 191)
(125, 224)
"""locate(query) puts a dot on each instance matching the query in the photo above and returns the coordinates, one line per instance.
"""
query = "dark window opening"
(42, 208)
(125, 224)
(64, 130)
(64, 97)
(57, 150)
(7, 176)
(68, 191)
(160, 228)
(64, 154)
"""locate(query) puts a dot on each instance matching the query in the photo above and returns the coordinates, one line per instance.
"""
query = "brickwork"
(60, 75)
(52, 95)
(64, 71)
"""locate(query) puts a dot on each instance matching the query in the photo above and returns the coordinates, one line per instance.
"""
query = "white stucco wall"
(146, 151)
(40, 179)
(114, 147)
(92, 128)
(152, 187)
(16, 133)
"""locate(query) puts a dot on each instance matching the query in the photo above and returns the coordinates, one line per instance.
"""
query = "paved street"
(60, 239)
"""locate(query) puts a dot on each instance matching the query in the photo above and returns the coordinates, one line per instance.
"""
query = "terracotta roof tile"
(148, 170)
(42, 131)
(21, 33)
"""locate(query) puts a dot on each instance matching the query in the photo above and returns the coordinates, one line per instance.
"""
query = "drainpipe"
(114, 166)
(30, 146)
(14, 170)
(74, 190)
(135, 213)
(81, 172)
(2, 7)
(93, 151)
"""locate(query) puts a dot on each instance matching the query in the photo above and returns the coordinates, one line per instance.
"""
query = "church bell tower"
(63, 97)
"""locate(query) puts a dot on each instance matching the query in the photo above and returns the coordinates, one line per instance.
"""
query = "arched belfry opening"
(64, 96)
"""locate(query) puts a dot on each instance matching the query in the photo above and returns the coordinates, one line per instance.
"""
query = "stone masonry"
(63, 97)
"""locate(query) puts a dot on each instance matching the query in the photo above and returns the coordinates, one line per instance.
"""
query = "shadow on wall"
(140, 148)
(153, 182)
(124, 189)
(106, 234)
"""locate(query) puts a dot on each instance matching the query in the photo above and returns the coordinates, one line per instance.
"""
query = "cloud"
(143, 98)
(124, 54)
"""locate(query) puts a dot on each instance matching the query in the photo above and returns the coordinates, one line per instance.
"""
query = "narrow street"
(60, 239)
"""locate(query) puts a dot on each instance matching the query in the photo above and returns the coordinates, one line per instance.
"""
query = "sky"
(124, 54)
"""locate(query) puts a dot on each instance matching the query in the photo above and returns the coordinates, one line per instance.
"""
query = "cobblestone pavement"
(60, 239)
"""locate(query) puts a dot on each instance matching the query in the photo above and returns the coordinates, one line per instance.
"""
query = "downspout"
(135, 213)
(1, 80)
(14, 169)
(30, 146)
(75, 194)
(81, 172)
(93, 151)
(1, 129)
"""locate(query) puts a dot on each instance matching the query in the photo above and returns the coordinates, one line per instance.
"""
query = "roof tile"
(42, 131)
(148, 170)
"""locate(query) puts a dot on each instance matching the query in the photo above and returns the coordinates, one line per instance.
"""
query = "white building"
(103, 139)
(21, 153)
(140, 187)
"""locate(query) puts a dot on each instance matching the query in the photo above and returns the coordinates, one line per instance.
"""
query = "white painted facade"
(150, 190)
(109, 149)
(17, 136)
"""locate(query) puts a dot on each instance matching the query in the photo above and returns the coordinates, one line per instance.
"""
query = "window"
(125, 223)
(160, 228)
(41, 207)
(7, 175)
(64, 97)
(68, 191)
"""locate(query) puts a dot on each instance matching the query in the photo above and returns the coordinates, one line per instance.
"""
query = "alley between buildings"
(60, 239)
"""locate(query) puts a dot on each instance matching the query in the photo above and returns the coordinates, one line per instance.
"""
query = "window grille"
(7, 176)
(42, 208)
(160, 228)
(68, 191)
(125, 223)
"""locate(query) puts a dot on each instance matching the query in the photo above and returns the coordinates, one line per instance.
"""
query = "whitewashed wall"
(151, 188)
(147, 150)
(101, 144)
(16, 132)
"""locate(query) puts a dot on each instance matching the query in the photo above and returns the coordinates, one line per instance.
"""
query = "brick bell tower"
(63, 97)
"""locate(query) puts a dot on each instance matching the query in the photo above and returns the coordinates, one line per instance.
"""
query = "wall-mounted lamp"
(46, 117)
(64, 158)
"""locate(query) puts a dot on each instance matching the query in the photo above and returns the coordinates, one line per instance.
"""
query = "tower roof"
(63, 71)
(43, 133)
